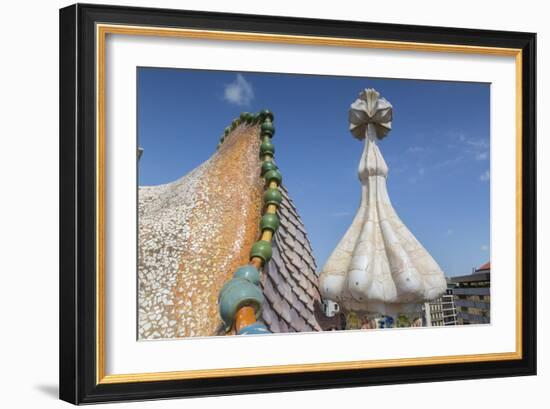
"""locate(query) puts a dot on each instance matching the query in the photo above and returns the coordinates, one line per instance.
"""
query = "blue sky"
(437, 151)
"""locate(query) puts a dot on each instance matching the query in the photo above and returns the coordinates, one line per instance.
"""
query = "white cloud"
(474, 147)
(420, 172)
(475, 143)
(450, 232)
(461, 150)
(485, 176)
(448, 162)
(484, 247)
(477, 147)
(416, 149)
(482, 155)
(239, 92)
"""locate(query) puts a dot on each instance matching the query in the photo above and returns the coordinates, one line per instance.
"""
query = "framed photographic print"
(257, 203)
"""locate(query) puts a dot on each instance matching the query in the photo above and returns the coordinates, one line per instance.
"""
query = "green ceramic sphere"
(273, 175)
(262, 249)
(267, 148)
(235, 294)
(269, 222)
(267, 129)
(249, 273)
(257, 328)
(272, 196)
(227, 130)
(266, 114)
(267, 166)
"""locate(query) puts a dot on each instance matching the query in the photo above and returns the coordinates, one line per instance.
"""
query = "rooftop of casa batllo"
(223, 241)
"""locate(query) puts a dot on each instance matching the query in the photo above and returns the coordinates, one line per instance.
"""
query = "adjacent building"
(472, 296)
(442, 310)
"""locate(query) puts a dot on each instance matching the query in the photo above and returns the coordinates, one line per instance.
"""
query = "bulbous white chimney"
(378, 266)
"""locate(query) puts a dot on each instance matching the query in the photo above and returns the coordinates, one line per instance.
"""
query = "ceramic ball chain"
(240, 300)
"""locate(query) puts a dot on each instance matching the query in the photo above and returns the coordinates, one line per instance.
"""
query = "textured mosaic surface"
(193, 233)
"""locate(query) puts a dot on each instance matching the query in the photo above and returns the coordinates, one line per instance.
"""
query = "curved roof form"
(194, 233)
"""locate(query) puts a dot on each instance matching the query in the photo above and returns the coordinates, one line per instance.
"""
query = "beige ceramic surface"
(378, 266)
(193, 234)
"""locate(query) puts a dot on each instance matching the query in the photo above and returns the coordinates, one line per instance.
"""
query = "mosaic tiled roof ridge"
(281, 262)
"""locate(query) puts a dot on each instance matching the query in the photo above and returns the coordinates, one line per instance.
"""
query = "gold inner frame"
(101, 32)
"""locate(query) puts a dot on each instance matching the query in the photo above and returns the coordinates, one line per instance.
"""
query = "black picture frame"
(78, 360)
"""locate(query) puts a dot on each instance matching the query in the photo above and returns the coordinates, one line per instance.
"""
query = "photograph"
(256, 203)
(284, 203)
